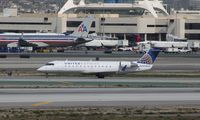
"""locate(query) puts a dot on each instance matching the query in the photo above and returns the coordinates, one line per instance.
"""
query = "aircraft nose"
(41, 69)
(83, 40)
(88, 39)
(80, 40)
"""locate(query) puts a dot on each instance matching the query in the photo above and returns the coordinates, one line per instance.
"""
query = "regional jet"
(79, 36)
(102, 68)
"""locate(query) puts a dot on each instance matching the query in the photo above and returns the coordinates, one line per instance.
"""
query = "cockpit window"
(50, 64)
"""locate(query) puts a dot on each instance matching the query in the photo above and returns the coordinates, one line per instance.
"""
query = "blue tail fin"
(150, 57)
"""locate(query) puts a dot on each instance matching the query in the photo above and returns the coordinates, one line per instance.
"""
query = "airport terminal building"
(149, 19)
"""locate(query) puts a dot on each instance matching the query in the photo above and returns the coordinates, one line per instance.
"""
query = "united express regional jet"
(102, 68)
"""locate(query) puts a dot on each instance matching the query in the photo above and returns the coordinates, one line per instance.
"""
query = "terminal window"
(77, 23)
(192, 36)
(190, 26)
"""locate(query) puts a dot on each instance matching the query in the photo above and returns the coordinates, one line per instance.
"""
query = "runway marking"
(40, 104)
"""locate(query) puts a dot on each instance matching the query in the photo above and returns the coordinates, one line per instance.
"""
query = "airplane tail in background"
(84, 28)
(150, 57)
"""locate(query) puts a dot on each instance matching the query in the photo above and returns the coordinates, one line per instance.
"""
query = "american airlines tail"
(84, 28)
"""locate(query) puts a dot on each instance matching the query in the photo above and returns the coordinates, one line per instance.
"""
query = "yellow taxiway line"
(40, 104)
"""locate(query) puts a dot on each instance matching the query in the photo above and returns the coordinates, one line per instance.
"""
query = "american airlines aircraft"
(102, 68)
(79, 36)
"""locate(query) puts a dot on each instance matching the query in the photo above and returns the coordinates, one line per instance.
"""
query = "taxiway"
(98, 97)
(162, 64)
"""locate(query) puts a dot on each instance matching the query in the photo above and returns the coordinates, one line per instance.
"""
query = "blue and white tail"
(84, 28)
(149, 57)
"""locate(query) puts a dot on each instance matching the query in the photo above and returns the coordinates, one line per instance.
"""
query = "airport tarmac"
(162, 64)
(84, 53)
(93, 82)
(188, 94)
(98, 97)
(160, 92)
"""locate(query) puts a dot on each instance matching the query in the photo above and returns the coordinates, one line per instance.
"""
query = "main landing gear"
(100, 75)
(47, 75)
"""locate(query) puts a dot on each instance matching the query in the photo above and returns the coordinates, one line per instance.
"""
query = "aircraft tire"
(100, 76)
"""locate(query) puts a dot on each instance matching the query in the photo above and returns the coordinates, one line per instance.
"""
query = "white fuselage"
(106, 43)
(94, 66)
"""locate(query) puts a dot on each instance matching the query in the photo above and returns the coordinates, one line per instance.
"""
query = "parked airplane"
(79, 36)
(102, 68)
(106, 42)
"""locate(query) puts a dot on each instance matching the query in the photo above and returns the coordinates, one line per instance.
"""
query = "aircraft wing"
(24, 43)
(40, 44)
(27, 44)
